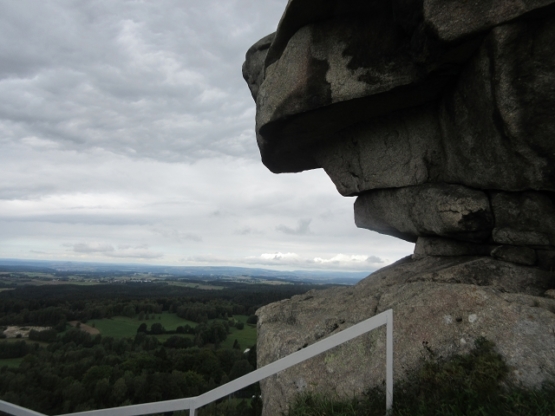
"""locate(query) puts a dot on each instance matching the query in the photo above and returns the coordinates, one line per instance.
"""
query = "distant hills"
(204, 272)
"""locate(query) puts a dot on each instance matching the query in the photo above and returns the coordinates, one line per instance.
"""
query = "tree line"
(71, 371)
(81, 372)
(48, 305)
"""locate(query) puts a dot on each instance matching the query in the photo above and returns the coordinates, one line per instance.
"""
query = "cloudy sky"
(127, 135)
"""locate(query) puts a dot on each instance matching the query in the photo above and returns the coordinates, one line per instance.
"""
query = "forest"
(144, 343)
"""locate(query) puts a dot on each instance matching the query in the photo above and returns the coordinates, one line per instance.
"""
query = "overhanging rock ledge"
(438, 116)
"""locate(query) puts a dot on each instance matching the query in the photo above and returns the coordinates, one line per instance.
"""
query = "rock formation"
(439, 116)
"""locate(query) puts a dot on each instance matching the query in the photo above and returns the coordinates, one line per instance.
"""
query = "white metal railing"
(193, 403)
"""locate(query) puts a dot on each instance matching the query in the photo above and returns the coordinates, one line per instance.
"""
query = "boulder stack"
(439, 116)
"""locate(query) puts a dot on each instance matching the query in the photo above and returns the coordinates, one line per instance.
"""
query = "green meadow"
(10, 362)
(124, 327)
(246, 337)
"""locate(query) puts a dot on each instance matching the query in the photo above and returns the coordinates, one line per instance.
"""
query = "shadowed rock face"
(439, 116)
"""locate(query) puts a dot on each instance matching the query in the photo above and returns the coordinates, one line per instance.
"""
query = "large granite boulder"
(496, 121)
(457, 212)
(392, 97)
(438, 115)
(333, 64)
(323, 74)
(524, 218)
(444, 302)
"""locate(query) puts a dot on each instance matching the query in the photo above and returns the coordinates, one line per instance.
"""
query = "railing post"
(389, 362)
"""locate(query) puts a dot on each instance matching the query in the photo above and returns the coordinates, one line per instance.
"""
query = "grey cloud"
(135, 254)
(93, 248)
(247, 231)
(177, 235)
(146, 80)
(10, 192)
(140, 251)
(301, 229)
(96, 219)
(206, 259)
(119, 118)
(374, 260)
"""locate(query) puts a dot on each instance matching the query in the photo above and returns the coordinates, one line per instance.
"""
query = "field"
(195, 285)
(246, 337)
(124, 327)
(10, 362)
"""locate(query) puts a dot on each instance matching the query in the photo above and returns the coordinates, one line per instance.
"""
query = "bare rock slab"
(518, 255)
(396, 150)
(524, 218)
(427, 307)
(444, 247)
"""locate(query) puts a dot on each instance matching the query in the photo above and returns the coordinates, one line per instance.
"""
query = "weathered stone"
(318, 71)
(316, 68)
(438, 114)
(400, 149)
(447, 316)
(481, 271)
(517, 237)
(444, 247)
(335, 64)
(514, 254)
(446, 22)
(524, 218)
(497, 121)
(330, 73)
(299, 13)
(253, 68)
(453, 19)
(432, 209)
(546, 260)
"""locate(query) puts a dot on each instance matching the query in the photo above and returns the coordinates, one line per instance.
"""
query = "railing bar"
(141, 409)
(293, 359)
(193, 403)
(389, 362)
(16, 410)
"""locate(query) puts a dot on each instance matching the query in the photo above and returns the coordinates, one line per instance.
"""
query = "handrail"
(16, 410)
(193, 403)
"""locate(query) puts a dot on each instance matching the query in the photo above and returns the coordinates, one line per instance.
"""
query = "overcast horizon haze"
(127, 135)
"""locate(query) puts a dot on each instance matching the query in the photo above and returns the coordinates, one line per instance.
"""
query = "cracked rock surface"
(444, 302)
